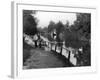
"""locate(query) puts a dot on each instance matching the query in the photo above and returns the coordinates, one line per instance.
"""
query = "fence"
(67, 52)
(52, 45)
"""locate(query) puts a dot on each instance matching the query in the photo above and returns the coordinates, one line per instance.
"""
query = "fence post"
(40, 44)
(69, 56)
(51, 46)
(45, 43)
(48, 44)
(61, 50)
(55, 47)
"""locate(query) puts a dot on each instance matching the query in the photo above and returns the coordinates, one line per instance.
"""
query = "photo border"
(17, 70)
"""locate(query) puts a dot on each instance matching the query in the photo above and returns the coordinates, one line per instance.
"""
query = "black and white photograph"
(56, 39)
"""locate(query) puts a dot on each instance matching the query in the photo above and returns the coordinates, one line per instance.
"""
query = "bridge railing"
(67, 52)
(53, 45)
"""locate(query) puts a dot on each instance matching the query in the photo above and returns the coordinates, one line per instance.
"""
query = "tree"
(67, 25)
(83, 25)
(60, 31)
(59, 27)
(29, 22)
(51, 26)
(79, 32)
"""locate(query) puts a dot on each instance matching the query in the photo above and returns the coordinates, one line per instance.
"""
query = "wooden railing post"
(48, 44)
(61, 50)
(40, 44)
(69, 56)
(45, 43)
(51, 46)
(55, 47)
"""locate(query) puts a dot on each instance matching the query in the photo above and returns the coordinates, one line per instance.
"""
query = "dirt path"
(45, 59)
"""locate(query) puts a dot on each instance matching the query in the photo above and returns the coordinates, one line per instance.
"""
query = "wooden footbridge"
(69, 53)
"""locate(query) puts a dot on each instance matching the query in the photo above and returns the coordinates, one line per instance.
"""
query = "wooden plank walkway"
(45, 59)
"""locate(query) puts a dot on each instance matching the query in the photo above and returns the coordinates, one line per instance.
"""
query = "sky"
(45, 17)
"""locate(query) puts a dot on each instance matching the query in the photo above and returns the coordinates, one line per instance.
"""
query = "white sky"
(45, 17)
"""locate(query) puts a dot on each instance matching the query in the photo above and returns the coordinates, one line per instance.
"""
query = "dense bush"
(72, 39)
(26, 51)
